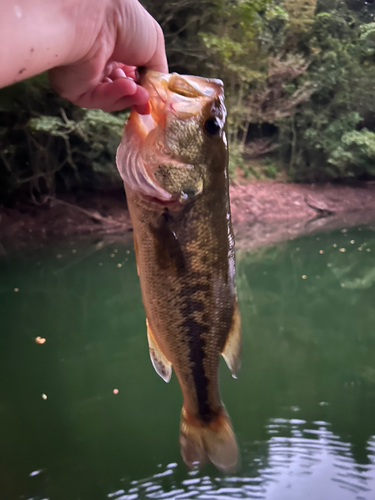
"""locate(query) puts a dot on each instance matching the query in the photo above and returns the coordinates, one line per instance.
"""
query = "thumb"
(140, 40)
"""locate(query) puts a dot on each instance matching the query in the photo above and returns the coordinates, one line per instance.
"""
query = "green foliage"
(236, 159)
(299, 78)
(300, 15)
(308, 68)
(42, 150)
(244, 49)
(330, 135)
(367, 38)
(356, 155)
(271, 169)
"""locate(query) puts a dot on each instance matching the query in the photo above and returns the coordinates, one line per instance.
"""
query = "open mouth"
(189, 94)
(170, 94)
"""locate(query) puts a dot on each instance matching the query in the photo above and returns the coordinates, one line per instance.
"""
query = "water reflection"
(303, 406)
(302, 462)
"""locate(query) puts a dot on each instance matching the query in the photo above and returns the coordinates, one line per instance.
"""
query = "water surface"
(303, 407)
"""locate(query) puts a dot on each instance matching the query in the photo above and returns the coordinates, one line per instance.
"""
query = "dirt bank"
(266, 212)
(262, 212)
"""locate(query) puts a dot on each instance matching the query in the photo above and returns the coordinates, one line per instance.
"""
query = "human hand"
(112, 38)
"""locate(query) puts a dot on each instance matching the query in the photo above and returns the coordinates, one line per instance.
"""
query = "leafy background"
(299, 78)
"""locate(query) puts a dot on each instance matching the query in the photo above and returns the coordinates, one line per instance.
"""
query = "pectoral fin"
(168, 248)
(233, 345)
(161, 364)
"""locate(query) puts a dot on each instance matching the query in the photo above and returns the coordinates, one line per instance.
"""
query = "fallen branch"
(321, 212)
(93, 215)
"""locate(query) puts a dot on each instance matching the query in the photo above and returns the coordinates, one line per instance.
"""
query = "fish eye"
(212, 126)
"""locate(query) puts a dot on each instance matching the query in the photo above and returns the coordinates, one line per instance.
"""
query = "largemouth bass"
(174, 165)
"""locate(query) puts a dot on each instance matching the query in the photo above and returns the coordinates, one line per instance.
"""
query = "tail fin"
(213, 442)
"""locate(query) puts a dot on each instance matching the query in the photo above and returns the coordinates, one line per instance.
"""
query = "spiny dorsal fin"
(161, 364)
(233, 345)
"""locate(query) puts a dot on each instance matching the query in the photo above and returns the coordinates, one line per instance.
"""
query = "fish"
(174, 164)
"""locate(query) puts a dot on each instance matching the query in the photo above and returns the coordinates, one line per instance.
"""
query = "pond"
(83, 415)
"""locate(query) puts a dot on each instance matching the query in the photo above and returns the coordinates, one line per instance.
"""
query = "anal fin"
(233, 344)
(162, 366)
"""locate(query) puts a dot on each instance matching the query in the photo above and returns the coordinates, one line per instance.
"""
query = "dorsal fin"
(233, 344)
(162, 366)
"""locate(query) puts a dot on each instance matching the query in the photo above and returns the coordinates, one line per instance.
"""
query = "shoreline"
(263, 213)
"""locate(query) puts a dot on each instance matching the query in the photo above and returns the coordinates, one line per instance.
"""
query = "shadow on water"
(303, 407)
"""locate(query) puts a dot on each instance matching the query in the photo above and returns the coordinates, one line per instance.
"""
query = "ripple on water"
(301, 456)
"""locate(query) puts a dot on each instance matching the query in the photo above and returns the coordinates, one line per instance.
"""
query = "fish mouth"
(183, 96)
(190, 93)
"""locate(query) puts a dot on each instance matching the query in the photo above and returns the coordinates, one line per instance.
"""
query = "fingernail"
(119, 73)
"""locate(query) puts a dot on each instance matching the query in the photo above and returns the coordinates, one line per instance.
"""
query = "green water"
(303, 407)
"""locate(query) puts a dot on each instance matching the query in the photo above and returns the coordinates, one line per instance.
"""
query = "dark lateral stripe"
(192, 289)
(194, 330)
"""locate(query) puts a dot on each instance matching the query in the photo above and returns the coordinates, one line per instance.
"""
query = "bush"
(49, 145)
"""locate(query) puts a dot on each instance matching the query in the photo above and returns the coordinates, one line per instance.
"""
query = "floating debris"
(342, 285)
(368, 249)
(128, 252)
(100, 263)
(115, 250)
(352, 242)
(74, 250)
(58, 256)
(298, 249)
(16, 290)
(344, 230)
(44, 396)
(335, 245)
(342, 250)
(119, 265)
(360, 249)
(321, 252)
(304, 277)
(115, 391)
(112, 255)
(318, 239)
(40, 340)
